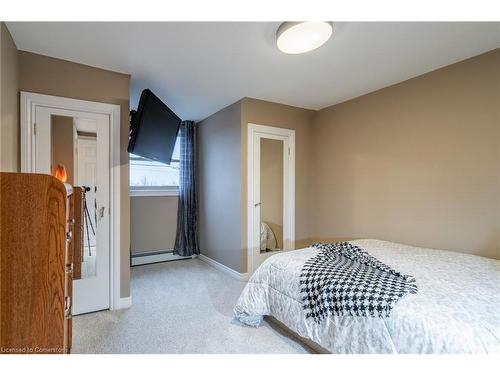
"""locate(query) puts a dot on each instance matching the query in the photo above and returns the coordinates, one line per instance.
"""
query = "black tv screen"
(153, 129)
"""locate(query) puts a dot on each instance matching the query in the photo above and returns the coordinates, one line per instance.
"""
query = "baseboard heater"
(155, 257)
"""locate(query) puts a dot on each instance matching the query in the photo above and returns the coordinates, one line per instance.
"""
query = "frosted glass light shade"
(301, 37)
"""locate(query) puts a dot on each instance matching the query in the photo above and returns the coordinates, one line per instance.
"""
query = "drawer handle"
(69, 236)
(67, 307)
(69, 268)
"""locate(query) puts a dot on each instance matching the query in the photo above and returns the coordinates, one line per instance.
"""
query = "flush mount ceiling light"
(301, 37)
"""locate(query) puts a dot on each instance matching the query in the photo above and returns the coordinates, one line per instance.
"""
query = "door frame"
(29, 102)
(288, 189)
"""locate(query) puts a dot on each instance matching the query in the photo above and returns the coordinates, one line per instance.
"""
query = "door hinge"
(288, 150)
(34, 129)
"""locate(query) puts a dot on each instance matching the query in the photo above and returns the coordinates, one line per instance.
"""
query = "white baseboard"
(124, 303)
(223, 268)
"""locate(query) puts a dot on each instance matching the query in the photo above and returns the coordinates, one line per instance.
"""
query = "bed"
(456, 309)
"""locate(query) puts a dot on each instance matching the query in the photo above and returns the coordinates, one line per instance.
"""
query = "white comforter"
(456, 310)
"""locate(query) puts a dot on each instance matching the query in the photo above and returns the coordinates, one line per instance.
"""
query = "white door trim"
(28, 103)
(289, 188)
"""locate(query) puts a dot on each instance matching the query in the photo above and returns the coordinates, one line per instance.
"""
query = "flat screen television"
(153, 129)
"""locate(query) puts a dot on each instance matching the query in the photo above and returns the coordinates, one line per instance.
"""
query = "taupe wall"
(282, 116)
(46, 75)
(219, 186)
(9, 103)
(153, 223)
(416, 163)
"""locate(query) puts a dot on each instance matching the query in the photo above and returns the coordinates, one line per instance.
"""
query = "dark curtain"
(186, 241)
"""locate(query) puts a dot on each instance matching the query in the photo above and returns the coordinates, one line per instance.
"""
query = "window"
(148, 177)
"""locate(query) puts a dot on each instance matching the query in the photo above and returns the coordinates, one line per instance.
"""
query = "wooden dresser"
(36, 263)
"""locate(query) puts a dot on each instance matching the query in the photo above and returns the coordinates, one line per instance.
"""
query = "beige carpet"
(178, 307)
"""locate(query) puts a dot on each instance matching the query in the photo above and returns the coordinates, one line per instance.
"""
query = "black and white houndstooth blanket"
(344, 279)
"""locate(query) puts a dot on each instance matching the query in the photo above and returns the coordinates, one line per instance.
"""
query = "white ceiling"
(198, 68)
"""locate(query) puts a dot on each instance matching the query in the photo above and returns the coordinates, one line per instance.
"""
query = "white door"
(91, 292)
(271, 192)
